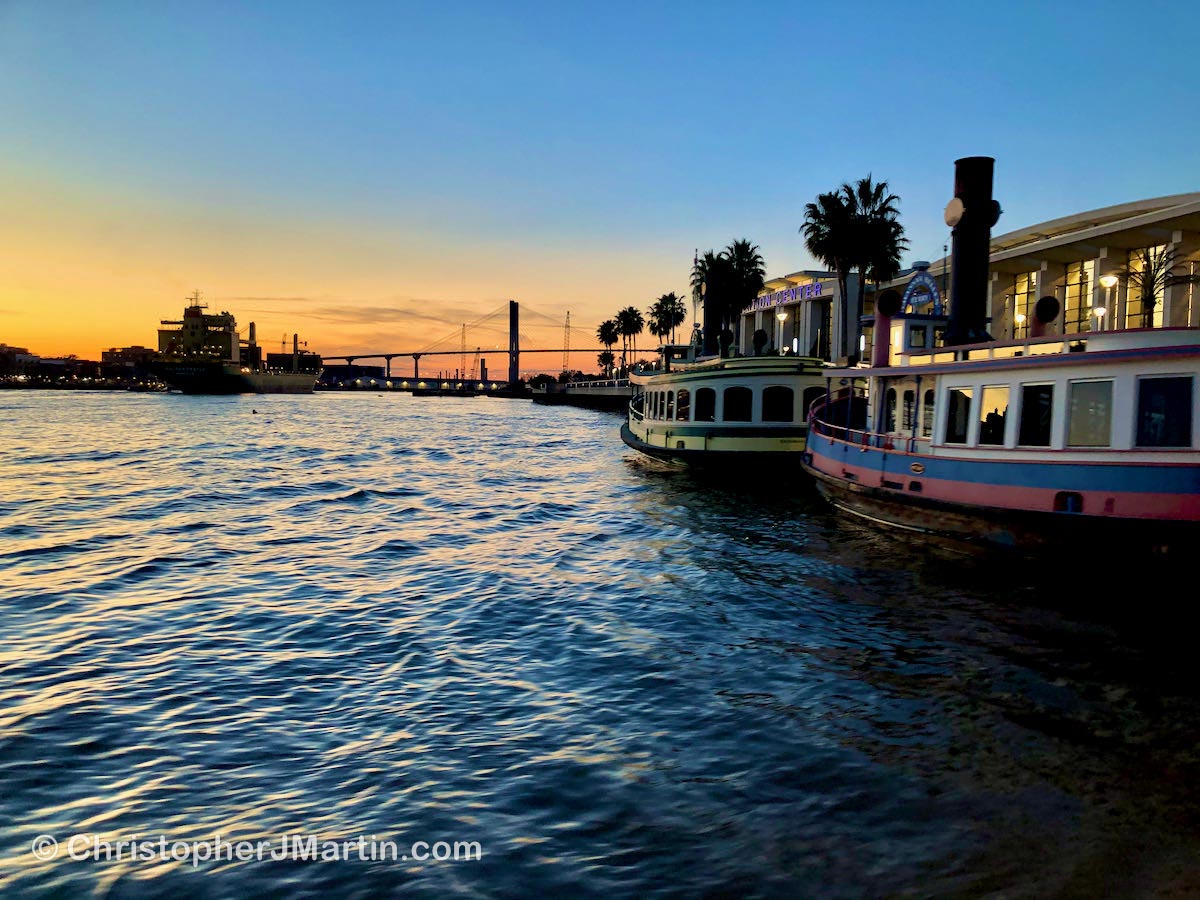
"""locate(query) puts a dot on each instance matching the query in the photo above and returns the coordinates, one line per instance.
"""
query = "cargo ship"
(203, 354)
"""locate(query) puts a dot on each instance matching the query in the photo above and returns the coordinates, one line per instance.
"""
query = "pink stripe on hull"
(1122, 504)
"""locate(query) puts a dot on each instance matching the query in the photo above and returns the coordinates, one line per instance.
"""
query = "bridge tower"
(514, 344)
(567, 343)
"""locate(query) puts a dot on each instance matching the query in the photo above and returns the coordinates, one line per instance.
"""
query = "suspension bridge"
(490, 325)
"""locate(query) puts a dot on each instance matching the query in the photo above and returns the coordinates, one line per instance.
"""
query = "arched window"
(670, 404)
(779, 404)
(683, 406)
(908, 411)
(927, 415)
(706, 405)
(739, 401)
(889, 410)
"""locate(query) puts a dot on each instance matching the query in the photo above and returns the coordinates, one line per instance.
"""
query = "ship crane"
(475, 365)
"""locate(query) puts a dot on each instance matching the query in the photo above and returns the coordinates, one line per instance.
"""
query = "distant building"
(135, 357)
(16, 360)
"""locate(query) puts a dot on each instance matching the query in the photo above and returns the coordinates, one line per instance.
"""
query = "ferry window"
(916, 336)
(1090, 422)
(683, 406)
(779, 404)
(670, 404)
(706, 405)
(958, 418)
(1164, 417)
(662, 404)
(810, 395)
(889, 410)
(927, 415)
(993, 413)
(1037, 405)
(738, 403)
(909, 414)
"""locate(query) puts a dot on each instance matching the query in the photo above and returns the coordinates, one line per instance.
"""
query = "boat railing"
(636, 407)
(848, 406)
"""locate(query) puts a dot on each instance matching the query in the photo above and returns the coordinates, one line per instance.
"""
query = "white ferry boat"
(1088, 438)
(717, 411)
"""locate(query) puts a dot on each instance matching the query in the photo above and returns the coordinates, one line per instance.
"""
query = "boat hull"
(218, 378)
(903, 491)
(730, 454)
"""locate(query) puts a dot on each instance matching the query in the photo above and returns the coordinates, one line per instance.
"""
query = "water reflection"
(427, 619)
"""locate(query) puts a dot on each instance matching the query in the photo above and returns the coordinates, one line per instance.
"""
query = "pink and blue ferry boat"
(1090, 438)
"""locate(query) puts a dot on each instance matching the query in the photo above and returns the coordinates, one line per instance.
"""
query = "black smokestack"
(971, 214)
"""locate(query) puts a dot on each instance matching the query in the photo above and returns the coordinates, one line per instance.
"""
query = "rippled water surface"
(481, 620)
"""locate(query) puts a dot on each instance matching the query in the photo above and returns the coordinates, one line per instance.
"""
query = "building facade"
(799, 314)
(1089, 262)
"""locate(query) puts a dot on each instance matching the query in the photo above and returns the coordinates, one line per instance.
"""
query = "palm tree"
(665, 315)
(885, 264)
(878, 236)
(1151, 271)
(828, 236)
(749, 273)
(714, 273)
(630, 323)
(673, 311)
(654, 320)
(855, 227)
(606, 360)
(608, 334)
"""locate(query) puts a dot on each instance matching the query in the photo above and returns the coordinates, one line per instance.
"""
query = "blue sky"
(460, 153)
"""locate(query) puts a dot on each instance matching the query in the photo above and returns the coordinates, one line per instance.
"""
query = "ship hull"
(990, 504)
(217, 378)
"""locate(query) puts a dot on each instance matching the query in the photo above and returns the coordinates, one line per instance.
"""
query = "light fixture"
(1108, 282)
(782, 317)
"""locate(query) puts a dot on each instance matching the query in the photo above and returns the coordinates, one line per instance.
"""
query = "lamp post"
(1019, 318)
(782, 317)
(1108, 282)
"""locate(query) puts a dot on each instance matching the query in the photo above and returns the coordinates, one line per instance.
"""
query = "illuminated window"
(1081, 280)
(1143, 304)
(1090, 414)
(1024, 288)
(993, 413)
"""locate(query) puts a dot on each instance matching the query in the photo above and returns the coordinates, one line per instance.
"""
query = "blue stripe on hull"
(1066, 476)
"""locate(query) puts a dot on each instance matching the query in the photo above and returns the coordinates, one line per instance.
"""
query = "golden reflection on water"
(481, 620)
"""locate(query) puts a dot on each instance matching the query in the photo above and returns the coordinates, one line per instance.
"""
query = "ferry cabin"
(747, 404)
(1102, 423)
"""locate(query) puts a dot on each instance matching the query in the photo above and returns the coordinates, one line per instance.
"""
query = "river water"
(478, 620)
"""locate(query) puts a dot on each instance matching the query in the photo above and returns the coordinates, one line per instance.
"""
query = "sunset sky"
(374, 174)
